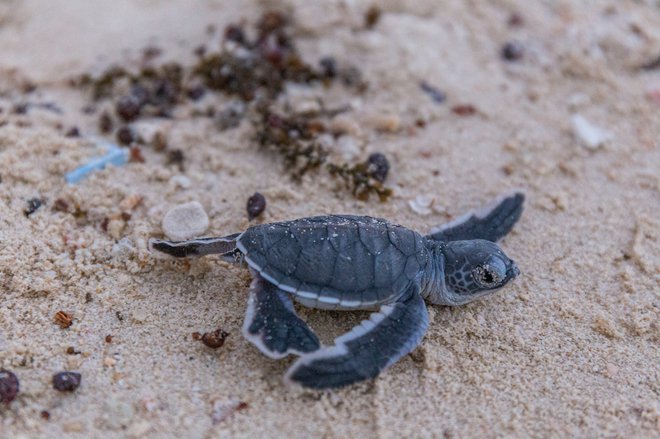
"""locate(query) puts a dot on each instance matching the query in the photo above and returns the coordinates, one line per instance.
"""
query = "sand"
(571, 349)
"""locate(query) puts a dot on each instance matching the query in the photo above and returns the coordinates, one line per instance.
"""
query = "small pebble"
(512, 51)
(464, 109)
(175, 157)
(328, 66)
(611, 369)
(73, 427)
(131, 202)
(372, 16)
(180, 181)
(159, 142)
(128, 107)
(32, 205)
(348, 147)
(343, 124)
(135, 155)
(66, 381)
(139, 316)
(255, 205)
(515, 20)
(388, 123)
(590, 135)
(125, 136)
(115, 227)
(185, 221)
(105, 123)
(9, 386)
(378, 166)
(73, 132)
(235, 33)
(196, 92)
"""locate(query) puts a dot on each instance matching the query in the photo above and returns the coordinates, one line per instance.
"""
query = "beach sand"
(570, 349)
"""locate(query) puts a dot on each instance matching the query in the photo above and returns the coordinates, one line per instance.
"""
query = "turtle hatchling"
(346, 262)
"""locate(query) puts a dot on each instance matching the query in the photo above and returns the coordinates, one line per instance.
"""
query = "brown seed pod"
(464, 109)
(128, 107)
(214, 339)
(378, 166)
(255, 205)
(125, 136)
(9, 386)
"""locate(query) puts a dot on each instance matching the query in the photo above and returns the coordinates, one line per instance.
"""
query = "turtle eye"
(490, 274)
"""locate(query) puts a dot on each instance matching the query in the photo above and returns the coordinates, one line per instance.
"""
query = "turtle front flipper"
(490, 223)
(368, 349)
(224, 246)
(271, 323)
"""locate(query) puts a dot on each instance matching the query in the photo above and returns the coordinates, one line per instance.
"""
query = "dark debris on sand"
(255, 71)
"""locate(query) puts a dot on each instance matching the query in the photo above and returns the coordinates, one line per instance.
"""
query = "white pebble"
(139, 316)
(343, 124)
(180, 181)
(185, 221)
(590, 135)
(421, 204)
(348, 147)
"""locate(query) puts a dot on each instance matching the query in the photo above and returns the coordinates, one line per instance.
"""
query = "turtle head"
(473, 269)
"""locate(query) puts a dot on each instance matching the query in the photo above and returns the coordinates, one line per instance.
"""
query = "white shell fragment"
(590, 135)
(348, 147)
(180, 181)
(421, 204)
(185, 221)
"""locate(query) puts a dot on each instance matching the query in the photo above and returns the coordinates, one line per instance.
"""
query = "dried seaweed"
(262, 65)
(294, 138)
(256, 70)
(363, 179)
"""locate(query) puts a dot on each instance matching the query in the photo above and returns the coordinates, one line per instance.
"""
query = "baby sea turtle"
(345, 262)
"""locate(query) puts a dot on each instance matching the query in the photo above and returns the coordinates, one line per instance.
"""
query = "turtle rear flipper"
(491, 222)
(369, 348)
(224, 246)
(271, 323)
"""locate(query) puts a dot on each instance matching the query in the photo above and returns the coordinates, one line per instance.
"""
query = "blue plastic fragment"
(114, 155)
